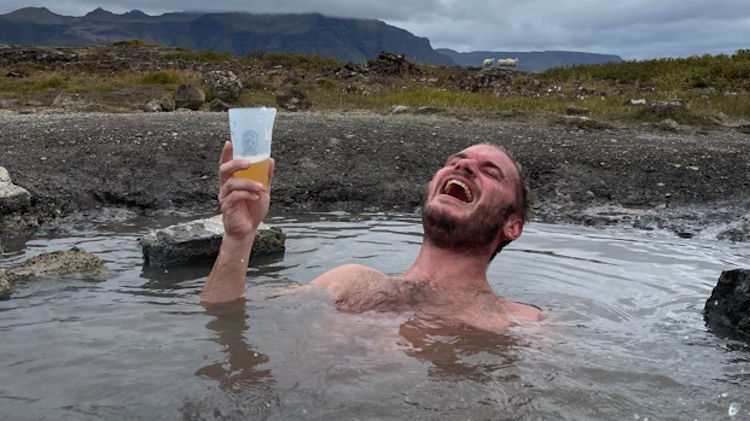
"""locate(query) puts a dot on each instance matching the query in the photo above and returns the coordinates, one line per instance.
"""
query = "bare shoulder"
(340, 279)
(526, 312)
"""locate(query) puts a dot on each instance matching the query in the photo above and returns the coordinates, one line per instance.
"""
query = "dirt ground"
(167, 162)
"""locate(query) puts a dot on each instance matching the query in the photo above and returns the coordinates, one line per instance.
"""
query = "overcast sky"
(630, 28)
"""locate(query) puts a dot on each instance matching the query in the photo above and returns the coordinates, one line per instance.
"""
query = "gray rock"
(216, 106)
(729, 304)
(5, 287)
(53, 264)
(400, 109)
(199, 241)
(581, 122)
(12, 198)
(666, 108)
(224, 85)
(153, 106)
(668, 125)
(726, 121)
(293, 99)
(9, 103)
(736, 234)
(429, 109)
(4, 175)
(187, 96)
(167, 103)
(70, 102)
(576, 110)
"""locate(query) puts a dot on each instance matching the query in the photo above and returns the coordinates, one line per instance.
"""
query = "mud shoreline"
(638, 176)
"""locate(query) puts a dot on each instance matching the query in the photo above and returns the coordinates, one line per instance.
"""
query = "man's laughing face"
(466, 204)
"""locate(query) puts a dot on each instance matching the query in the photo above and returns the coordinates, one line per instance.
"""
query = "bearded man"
(474, 206)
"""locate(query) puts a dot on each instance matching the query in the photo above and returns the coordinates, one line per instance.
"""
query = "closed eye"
(493, 171)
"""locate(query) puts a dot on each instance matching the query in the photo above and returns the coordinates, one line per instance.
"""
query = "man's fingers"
(226, 152)
(228, 168)
(239, 184)
(237, 196)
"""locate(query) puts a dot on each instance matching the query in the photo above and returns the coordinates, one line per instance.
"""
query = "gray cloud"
(630, 28)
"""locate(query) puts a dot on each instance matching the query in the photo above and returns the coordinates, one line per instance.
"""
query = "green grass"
(306, 62)
(719, 72)
(212, 57)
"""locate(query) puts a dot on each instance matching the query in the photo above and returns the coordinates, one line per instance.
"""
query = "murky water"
(625, 338)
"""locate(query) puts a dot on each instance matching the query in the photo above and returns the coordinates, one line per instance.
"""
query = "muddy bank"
(636, 175)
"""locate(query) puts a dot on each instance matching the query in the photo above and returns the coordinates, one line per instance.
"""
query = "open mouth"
(457, 189)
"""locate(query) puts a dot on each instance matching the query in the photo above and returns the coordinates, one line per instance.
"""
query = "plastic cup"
(251, 130)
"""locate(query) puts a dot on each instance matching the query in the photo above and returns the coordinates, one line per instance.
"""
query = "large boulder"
(729, 304)
(12, 198)
(224, 85)
(293, 99)
(199, 241)
(188, 96)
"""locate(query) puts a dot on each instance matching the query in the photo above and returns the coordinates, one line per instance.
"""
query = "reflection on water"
(625, 338)
(248, 389)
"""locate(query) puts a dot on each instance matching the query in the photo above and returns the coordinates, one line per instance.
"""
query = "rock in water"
(12, 197)
(190, 97)
(57, 263)
(729, 304)
(199, 240)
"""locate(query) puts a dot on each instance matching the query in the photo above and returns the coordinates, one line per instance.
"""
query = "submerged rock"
(200, 241)
(46, 265)
(729, 304)
(56, 263)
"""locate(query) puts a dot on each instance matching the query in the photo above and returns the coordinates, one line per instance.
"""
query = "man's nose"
(466, 165)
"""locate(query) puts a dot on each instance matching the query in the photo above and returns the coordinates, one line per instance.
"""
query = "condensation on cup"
(251, 130)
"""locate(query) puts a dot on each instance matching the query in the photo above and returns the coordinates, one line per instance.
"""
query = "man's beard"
(470, 235)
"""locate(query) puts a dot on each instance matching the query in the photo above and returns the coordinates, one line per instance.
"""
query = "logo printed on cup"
(249, 144)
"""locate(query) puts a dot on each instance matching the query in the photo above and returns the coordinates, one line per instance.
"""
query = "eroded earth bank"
(686, 181)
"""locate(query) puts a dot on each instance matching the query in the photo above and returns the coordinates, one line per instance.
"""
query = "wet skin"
(448, 279)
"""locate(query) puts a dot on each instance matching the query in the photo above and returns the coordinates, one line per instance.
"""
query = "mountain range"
(355, 40)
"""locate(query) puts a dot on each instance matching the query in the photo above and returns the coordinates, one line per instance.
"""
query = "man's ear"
(512, 227)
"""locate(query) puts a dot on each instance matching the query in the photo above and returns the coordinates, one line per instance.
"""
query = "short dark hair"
(522, 205)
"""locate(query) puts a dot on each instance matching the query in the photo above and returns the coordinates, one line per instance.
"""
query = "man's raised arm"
(244, 204)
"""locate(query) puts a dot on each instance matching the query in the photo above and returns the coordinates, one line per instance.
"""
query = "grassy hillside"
(126, 75)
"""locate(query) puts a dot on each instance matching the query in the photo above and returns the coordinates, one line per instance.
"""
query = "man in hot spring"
(475, 205)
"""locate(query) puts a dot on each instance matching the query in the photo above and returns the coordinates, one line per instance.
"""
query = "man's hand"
(244, 202)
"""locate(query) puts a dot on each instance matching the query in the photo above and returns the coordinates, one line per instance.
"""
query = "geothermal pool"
(625, 337)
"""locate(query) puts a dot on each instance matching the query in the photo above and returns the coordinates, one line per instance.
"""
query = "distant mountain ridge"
(355, 40)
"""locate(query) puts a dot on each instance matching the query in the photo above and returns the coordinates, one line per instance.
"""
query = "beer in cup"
(251, 130)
